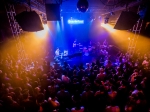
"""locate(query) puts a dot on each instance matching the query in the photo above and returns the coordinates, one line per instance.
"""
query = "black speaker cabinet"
(29, 21)
(126, 20)
(53, 12)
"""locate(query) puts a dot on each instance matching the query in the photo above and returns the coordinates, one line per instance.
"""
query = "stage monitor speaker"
(126, 20)
(29, 21)
(53, 12)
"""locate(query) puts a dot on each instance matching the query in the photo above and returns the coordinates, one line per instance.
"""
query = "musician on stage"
(75, 46)
(57, 54)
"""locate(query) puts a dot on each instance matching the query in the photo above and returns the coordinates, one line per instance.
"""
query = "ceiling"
(95, 6)
(68, 6)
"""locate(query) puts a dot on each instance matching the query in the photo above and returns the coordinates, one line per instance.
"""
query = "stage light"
(44, 21)
(43, 33)
(112, 13)
(106, 20)
(74, 21)
(82, 5)
(43, 18)
(45, 27)
(108, 27)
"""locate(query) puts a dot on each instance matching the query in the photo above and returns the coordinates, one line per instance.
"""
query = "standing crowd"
(91, 87)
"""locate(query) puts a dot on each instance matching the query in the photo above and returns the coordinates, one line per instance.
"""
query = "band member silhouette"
(57, 54)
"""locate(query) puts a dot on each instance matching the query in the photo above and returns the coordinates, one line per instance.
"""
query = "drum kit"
(84, 49)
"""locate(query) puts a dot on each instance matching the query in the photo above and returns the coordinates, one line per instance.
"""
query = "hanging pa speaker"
(126, 20)
(29, 21)
(53, 12)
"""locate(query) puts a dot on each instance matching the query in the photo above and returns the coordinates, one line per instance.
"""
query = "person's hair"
(87, 87)
(78, 107)
(6, 91)
(53, 83)
(140, 96)
(101, 88)
(25, 95)
(40, 98)
(138, 87)
(44, 76)
(65, 73)
(8, 101)
(101, 69)
(74, 67)
(17, 90)
(62, 87)
(75, 80)
(97, 81)
(135, 70)
(55, 76)
(35, 84)
(87, 79)
(74, 72)
(113, 88)
(53, 96)
(113, 103)
(76, 96)
(124, 82)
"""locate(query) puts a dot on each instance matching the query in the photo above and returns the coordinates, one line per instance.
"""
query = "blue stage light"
(75, 21)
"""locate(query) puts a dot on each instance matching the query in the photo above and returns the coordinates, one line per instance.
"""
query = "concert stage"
(92, 54)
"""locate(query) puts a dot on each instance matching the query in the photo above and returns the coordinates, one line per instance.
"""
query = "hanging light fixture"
(106, 19)
(82, 5)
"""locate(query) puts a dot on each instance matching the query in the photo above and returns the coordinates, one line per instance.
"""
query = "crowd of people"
(90, 87)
